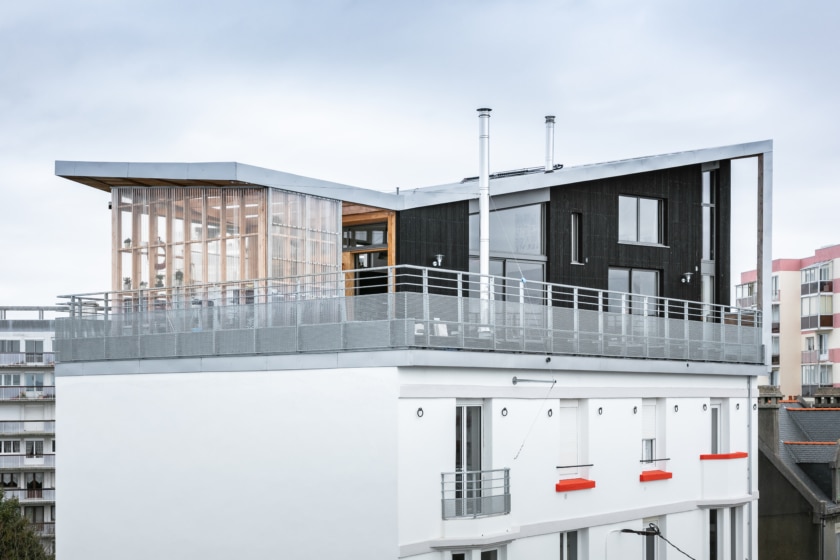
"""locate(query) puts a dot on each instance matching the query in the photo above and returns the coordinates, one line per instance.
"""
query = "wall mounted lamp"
(438, 260)
(686, 277)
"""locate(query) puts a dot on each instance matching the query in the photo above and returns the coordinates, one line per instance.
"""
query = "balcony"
(27, 427)
(22, 461)
(24, 393)
(44, 529)
(470, 494)
(27, 358)
(401, 307)
(27, 496)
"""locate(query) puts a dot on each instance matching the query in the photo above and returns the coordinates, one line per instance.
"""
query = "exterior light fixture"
(686, 277)
(550, 413)
(419, 413)
(438, 260)
(676, 408)
(635, 409)
(705, 407)
(504, 412)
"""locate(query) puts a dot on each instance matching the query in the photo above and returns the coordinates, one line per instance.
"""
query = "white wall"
(292, 464)
(528, 441)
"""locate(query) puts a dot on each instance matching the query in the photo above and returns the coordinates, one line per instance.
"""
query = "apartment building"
(291, 367)
(804, 344)
(27, 414)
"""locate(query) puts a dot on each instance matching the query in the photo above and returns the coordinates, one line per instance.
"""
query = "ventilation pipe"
(549, 143)
(484, 211)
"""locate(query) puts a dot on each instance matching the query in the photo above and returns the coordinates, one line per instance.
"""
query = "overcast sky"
(383, 95)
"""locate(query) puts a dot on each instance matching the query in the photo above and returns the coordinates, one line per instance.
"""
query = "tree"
(18, 541)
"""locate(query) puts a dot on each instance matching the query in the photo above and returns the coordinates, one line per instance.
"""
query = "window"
(774, 377)
(569, 546)
(822, 345)
(715, 423)
(365, 236)
(710, 179)
(34, 351)
(10, 446)
(35, 448)
(636, 281)
(8, 480)
(35, 515)
(516, 231)
(576, 238)
(651, 545)
(10, 379)
(649, 429)
(714, 543)
(34, 484)
(34, 381)
(9, 346)
(568, 457)
(640, 220)
(774, 287)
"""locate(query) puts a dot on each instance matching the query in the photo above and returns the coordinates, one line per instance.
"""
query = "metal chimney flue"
(549, 143)
(484, 210)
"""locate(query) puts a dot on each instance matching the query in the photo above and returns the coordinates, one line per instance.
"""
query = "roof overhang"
(106, 175)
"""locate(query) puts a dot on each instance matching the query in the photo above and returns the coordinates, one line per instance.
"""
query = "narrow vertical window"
(708, 201)
(576, 230)
(713, 534)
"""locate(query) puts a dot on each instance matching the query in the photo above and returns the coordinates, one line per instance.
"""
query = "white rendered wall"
(291, 464)
(528, 441)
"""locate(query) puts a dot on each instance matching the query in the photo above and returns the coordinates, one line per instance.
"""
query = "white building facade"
(387, 406)
(27, 414)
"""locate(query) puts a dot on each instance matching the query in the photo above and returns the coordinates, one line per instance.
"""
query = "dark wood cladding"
(425, 232)
(597, 202)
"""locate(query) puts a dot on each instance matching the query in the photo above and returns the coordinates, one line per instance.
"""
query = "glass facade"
(177, 236)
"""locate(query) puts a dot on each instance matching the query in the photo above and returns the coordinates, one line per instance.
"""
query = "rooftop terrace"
(401, 307)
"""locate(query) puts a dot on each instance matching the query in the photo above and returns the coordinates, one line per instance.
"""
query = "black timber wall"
(425, 232)
(597, 202)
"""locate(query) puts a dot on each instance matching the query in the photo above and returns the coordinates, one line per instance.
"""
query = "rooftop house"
(534, 363)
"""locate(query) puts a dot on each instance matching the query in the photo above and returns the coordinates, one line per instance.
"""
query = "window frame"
(639, 218)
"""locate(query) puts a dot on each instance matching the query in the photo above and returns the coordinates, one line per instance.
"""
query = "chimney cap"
(484, 110)
(549, 118)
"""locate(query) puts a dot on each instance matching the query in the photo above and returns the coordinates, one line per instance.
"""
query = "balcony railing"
(44, 529)
(27, 358)
(475, 493)
(27, 427)
(19, 461)
(401, 307)
(27, 393)
(30, 494)
(813, 357)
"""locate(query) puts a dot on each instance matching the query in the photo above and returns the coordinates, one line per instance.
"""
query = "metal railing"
(27, 358)
(27, 427)
(475, 493)
(401, 307)
(27, 393)
(44, 529)
(30, 494)
(22, 460)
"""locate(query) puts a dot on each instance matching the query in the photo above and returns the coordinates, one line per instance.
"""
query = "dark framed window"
(640, 220)
(576, 238)
(638, 283)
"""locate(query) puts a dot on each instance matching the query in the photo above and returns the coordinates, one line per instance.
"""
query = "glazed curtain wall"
(173, 236)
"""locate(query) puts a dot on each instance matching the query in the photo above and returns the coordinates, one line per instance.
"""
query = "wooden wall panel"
(597, 201)
(424, 232)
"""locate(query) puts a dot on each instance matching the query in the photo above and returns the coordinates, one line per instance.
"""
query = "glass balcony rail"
(475, 493)
(26, 393)
(22, 460)
(27, 427)
(30, 494)
(401, 307)
(27, 358)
